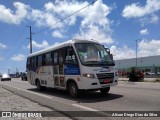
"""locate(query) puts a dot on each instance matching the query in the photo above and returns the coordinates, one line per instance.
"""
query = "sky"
(117, 24)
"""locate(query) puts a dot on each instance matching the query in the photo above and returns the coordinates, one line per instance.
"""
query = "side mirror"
(111, 56)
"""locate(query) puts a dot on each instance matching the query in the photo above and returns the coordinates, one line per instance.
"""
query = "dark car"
(5, 77)
(24, 76)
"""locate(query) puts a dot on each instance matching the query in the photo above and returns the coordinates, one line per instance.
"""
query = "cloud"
(13, 17)
(145, 48)
(51, 15)
(64, 9)
(152, 19)
(122, 52)
(18, 57)
(45, 19)
(136, 10)
(57, 34)
(42, 45)
(144, 32)
(94, 23)
(2, 45)
(149, 48)
(95, 33)
(96, 15)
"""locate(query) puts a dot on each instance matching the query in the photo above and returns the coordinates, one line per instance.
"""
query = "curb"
(154, 80)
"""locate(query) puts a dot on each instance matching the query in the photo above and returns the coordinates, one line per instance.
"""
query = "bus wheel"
(105, 90)
(73, 89)
(39, 87)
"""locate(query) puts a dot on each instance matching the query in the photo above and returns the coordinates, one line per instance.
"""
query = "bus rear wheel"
(73, 89)
(105, 90)
(39, 87)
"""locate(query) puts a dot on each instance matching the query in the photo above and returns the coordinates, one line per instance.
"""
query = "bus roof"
(60, 45)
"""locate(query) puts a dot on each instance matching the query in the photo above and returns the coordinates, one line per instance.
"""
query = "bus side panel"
(45, 75)
(31, 77)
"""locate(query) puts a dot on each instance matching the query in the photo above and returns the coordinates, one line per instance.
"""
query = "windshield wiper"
(107, 62)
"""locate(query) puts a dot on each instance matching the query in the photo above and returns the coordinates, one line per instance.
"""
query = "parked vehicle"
(158, 73)
(24, 76)
(150, 73)
(5, 77)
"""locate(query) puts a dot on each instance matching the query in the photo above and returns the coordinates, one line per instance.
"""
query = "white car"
(5, 77)
(150, 73)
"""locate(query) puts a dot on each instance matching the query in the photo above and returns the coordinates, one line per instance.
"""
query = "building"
(149, 64)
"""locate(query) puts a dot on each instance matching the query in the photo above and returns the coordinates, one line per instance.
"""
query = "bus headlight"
(89, 75)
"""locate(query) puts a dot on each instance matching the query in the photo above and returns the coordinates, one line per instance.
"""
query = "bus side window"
(31, 63)
(70, 57)
(36, 61)
(39, 60)
(48, 59)
(28, 64)
(55, 56)
(61, 61)
(43, 59)
(61, 56)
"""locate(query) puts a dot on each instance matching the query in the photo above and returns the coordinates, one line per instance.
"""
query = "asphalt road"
(126, 96)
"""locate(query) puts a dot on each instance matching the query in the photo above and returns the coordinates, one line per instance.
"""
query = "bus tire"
(105, 90)
(39, 87)
(73, 89)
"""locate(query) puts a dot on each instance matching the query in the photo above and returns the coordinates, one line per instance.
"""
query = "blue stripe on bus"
(71, 69)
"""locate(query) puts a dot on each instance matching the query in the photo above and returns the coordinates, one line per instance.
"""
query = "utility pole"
(136, 53)
(30, 38)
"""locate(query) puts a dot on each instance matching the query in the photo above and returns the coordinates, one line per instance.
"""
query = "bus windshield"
(93, 54)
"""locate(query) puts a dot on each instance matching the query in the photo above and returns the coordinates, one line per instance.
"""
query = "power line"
(68, 16)
(16, 43)
(20, 35)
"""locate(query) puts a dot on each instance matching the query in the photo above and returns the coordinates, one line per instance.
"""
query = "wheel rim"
(72, 90)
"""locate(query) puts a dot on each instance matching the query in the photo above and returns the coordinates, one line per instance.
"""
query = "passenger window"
(36, 61)
(48, 59)
(70, 57)
(39, 60)
(61, 61)
(28, 64)
(61, 57)
(55, 58)
(31, 63)
(43, 59)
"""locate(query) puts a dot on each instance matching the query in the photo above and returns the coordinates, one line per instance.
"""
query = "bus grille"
(105, 78)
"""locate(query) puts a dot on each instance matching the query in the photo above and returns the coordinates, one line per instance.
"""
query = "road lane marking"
(84, 107)
(104, 114)
(29, 91)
